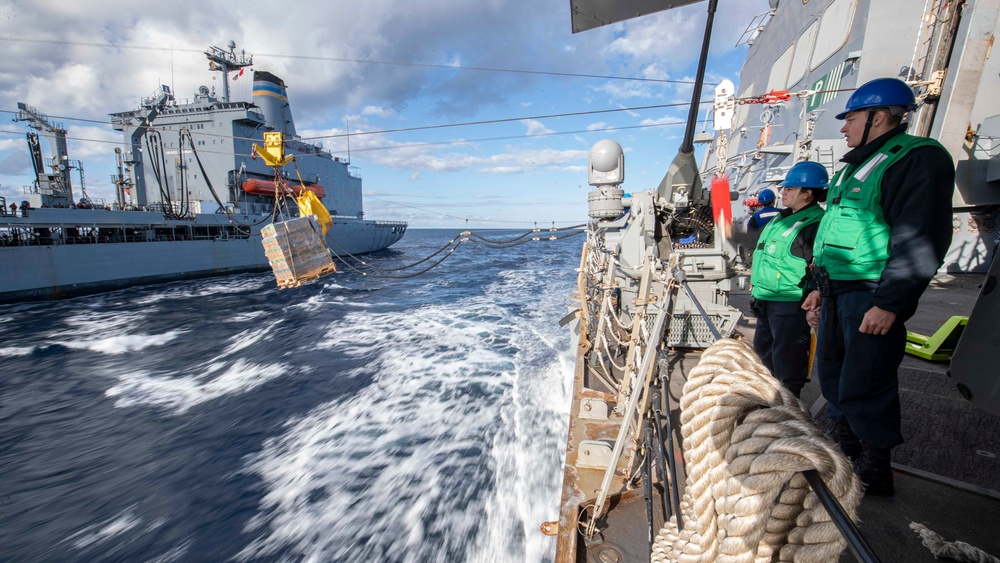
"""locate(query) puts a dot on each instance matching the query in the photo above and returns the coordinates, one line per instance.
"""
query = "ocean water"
(350, 419)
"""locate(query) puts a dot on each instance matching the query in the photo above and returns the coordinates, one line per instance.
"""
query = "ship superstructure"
(805, 59)
(188, 182)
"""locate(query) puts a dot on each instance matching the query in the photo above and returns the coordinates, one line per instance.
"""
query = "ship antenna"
(172, 85)
(348, 119)
(220, 60)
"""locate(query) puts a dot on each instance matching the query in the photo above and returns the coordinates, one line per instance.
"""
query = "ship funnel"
(269, 95)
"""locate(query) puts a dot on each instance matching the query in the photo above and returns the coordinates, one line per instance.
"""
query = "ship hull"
(200, 217)
(178, 250)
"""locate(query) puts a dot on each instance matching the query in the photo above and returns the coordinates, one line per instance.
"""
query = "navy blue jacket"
(916, 202)
(761, 217)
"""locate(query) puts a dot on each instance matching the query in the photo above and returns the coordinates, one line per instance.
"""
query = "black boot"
(848, 441)
(874, 469)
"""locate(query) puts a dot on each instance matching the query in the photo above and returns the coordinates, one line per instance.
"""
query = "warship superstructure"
(191, 194)
(659, 271)
(805, 58)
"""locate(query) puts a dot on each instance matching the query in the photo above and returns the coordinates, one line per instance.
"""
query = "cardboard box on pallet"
(297, 251)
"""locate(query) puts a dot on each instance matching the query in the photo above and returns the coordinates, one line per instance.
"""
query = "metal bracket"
(595, 454)
(593, 409)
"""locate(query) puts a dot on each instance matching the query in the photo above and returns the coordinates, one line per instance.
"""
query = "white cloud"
(512, 160)
(88, 59)
(91, 141)
(10, 143)
(662, 121)
(377, 111)
(646, 38)
(502, 170)
(535, 127)
(626, 90)
(654, 71)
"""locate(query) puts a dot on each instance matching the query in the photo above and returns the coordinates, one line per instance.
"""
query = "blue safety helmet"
(807, 175)
(765, 196)
(881, 92)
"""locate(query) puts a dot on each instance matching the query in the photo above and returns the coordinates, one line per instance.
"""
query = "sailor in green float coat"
(779, 275)
(885, 234)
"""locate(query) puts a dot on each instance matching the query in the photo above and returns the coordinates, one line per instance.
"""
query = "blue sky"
(380, 65)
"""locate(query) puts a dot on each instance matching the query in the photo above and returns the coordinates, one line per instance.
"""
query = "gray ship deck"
(948, 470)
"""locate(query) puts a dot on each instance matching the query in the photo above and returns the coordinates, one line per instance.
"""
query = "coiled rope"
(957, 550)
(746, 441)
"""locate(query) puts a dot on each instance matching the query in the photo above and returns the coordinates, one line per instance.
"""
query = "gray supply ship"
(663, 466)
(191, 195)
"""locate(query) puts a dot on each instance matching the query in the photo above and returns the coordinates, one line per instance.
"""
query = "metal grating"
(688, 330)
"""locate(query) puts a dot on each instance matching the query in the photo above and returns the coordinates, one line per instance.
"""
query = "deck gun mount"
(672, 220)
(671, 225)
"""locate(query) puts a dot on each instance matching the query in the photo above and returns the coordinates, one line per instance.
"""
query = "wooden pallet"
(287, 283)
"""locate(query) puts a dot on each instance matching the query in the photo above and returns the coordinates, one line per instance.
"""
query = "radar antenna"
(220, 60)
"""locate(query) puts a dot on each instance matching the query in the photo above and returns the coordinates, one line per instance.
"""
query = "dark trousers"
(858, 373)
(781, 339)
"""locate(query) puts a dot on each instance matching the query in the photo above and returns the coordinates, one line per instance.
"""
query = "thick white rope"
(957, 550)
(620, 325)
(607, 354)
(746, 441)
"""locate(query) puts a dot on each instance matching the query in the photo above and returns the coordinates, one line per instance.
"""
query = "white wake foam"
(123, 343)
(181, 393)
(106, 531)
(108, 539)
(13, 351)
(448, 456)
(207, 288)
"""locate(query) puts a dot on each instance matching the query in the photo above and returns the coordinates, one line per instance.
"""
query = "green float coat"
(776, 273)
(853, 238)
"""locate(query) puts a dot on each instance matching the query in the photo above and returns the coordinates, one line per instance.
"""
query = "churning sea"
(350, 419)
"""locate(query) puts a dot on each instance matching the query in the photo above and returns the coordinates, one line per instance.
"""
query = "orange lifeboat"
(267, 187)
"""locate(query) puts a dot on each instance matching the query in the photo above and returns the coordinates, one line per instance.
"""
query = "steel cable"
(451, 246)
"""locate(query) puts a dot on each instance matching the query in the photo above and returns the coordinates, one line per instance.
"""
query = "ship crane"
(83, 184)
(122, 181)
(53, 187)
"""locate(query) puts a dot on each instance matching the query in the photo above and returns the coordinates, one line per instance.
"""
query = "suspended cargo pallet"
(297, 252)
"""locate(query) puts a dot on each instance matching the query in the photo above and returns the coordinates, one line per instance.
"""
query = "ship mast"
(223, 61)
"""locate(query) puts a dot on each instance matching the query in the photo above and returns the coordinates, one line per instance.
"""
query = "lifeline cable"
(462, 234)
(535, 230)
(402, 277)
(406, 267)
(511, 245)
(451, 246)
